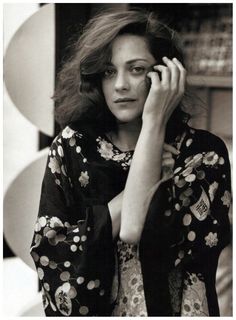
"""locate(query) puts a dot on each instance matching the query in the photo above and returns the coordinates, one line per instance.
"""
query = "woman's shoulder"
(73, 133)
(75, 143)
(205, 140)
(67, 137)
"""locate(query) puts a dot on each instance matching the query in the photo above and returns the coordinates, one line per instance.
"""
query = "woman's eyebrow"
(135, 60)
(110, 64)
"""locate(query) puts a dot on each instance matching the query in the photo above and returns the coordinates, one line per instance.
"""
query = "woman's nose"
(122, 82)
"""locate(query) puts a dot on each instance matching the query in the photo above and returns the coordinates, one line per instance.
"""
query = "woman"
(121, 238)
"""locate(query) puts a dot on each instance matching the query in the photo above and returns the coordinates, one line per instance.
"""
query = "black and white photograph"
(117, 159)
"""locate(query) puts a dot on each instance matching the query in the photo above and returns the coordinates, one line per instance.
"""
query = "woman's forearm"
(114, 207)
(145, 172)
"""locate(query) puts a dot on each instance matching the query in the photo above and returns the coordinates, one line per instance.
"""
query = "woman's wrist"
(155, 127)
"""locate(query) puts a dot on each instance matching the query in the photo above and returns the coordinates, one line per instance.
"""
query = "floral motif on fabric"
(84, 179)
(54, 165)
(125, 252)
(47, 300)
(212, 190)
(68, 278)
(195, 170)
(197, 186)
(73, 137)
(56, 155)
(197, 199)
(211, 159)
(211, 239)
(226, 199)
(190, 172)
(194, 300)
(68, 133)
(109, 152)
(130, 300)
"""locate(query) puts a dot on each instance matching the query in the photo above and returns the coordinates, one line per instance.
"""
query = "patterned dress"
(84, 272)
(130, 300)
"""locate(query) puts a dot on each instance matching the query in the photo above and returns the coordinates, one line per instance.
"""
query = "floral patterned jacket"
(185, 230)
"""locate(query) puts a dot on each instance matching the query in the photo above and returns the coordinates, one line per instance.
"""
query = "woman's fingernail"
(165, 58)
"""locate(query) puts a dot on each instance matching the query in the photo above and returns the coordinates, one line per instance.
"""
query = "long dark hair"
(78, 95)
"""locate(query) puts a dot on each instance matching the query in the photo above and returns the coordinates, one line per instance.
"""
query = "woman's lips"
(123, 100)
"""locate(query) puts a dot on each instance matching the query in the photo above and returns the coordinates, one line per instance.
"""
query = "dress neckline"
(115, 146)
(109, 151)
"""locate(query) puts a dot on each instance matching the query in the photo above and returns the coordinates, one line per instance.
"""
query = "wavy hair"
(78, 95)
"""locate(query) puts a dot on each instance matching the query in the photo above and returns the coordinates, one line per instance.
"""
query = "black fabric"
(164, 237)
(185, 230)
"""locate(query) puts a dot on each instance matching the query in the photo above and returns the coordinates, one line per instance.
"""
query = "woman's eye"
(138, 70)
(109, 73)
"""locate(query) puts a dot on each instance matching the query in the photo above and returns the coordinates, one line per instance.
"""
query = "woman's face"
(124, 83)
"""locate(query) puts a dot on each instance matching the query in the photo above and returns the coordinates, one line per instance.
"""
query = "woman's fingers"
(170, 148)
(170, 162)
(167, 156)
(174, 73)
(155, 80)
(182, 75)
(166, 90)
(165, 74)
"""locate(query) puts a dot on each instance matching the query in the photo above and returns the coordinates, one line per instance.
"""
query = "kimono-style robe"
(186, 227)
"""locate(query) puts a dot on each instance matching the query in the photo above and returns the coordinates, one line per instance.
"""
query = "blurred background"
(36, 39)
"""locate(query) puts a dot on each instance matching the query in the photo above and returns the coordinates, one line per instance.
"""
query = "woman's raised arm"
(145, 170)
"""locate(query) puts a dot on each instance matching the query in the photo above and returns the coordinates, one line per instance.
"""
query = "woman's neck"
(127, 135)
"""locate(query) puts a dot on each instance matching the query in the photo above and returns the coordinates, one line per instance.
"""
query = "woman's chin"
(128, 118)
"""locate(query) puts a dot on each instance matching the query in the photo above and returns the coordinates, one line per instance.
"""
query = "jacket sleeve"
(188, 215)
(187, 226)
(203, 204)
(202, 201)
(72, 251)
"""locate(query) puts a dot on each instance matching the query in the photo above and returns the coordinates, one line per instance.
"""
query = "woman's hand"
(168, 161)
(148, 158)
(165, 93)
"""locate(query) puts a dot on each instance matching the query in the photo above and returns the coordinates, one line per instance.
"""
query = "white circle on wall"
(29, 69)
(21, 203)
